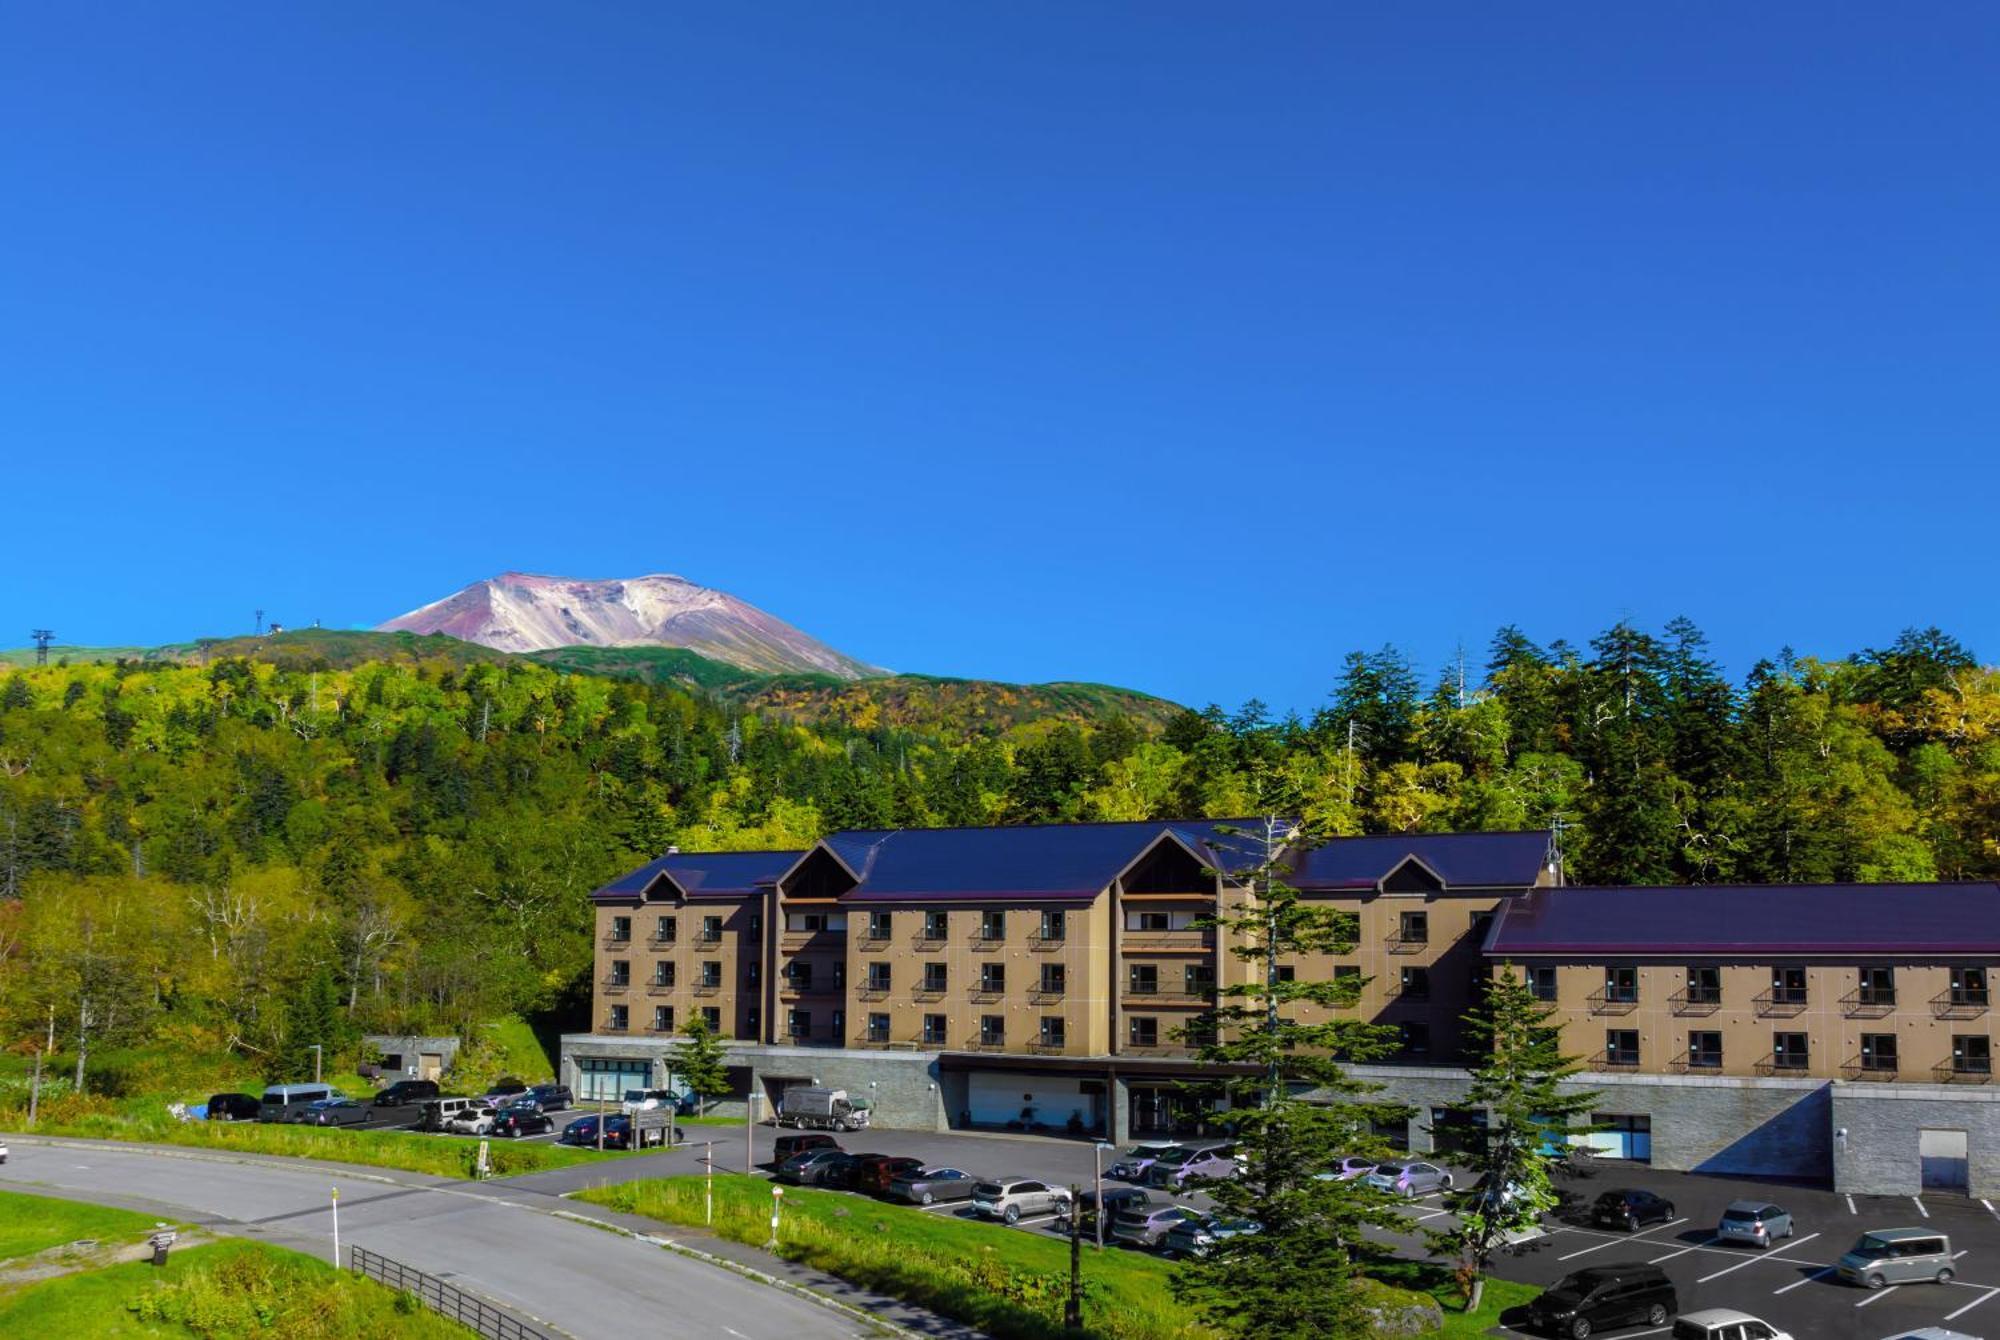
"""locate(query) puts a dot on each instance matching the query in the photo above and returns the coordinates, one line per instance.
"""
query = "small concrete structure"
(408, 1056)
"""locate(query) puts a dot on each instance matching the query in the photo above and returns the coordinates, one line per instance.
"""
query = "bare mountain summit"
(522, 611)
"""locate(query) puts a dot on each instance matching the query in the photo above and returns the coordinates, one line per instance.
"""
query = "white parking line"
(1850, 1206)
(1954, 1316)
(1419, 1218)
(1683, 1251)
(1753, 1260)
(1819, 1274)
(1920, 1206)
(1989, 1207)
(1878, 1295)
(1962, 1251)
(1630, 1237)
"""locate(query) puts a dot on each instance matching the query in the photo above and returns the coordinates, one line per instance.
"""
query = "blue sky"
(1184, 347)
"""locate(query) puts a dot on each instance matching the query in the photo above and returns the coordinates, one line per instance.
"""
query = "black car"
(785, 1146)
(518, 1119)
(808, 1167)
(1628, 1209)
(1581, 1304)
(552, 1097)
(618, 1133)
(506, 1087)
(405, 1092)
(233, 1107)
(842, 1170)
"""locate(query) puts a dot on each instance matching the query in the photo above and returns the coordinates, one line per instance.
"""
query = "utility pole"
(318, 1056)
(42, 638)
(260, 623)
(35, 1087)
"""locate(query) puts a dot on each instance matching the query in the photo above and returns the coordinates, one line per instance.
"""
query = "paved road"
(494, 1240)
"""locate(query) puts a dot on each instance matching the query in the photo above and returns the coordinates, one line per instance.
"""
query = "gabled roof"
(1836, 920)
(1047, 861)
(1461, 860)
(717, 874)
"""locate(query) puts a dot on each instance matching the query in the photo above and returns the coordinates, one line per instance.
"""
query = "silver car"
(1010, 1199)
(1148, 1225)
(1899, 1256)
(1757, 1222)
(1410, 1179)
(928, 1186)
(1133, 1163)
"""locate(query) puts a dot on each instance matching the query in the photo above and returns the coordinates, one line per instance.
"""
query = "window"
(936, 925)
(1416, 1039)
(1198, 979)
(621, 929)
(934, 1029)
(1346, 976)
(1055, 925)
(1621, 985)
(1878, 1052)
(1414, 928)
(1482, 922)
(992, 978)
(806, 923)
(878, 1028)
(1878, 986)
(992, 1030)
(1286, 972)
(711, 972)
(992, 925)
(799, 975)
(714, 1017)
(799, 1023)
(1968, 986)
(1143, 979)
(663, 974)
(756, 924)
(1053, 977)
(663, 1018)
(711, 928)
(878, 925)
(1416, 984)
(1704, 986)
(878, 977)
(666, 930)
(1542, 983)
(1788, 986)
(1704, 1051)
(753, 972)
(1142, 1031)
(1052, 1030)
(1788, 1051)
(839, 1029)
(619, 1014)
(1621, 1046)
(934, 977)
(1971, 1054)
(840, 974)
(1149, 921)
(621, 972)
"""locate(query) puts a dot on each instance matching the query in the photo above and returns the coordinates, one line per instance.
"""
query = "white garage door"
(1943, 1154)
(996, 1099)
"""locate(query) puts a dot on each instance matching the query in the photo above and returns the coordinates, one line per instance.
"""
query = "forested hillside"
(184, 849)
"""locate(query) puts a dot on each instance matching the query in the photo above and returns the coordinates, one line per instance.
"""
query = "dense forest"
(187, 851)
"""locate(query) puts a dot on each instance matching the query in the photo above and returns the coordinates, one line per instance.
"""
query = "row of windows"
(620, 1017)
(1971, 1053)
(1139, 1031)
(667, 974)
(666, 929)
(1874, 987)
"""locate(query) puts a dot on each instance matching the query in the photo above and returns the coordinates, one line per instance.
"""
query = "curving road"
(496, 1240)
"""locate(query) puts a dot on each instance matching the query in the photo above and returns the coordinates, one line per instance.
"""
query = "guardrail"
(466, 1309)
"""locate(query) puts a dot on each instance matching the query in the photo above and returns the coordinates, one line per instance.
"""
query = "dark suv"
(233, 1107)
(1578, 1305)
(552, 1097)
(787, 1145)
(406, 1091)
(1629, 1209)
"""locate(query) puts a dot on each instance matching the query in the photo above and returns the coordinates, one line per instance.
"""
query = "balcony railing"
(1048, 1046)
(1615, 1060)
(613, 1024)
(983, 943)
(867, 1039)
(793, 941)
(708, 988)
(1780, 1003)
(1407, 944)
(872, 992)
(703, 940)
(618, 941)
(1963, 1070)
(659, 988)
(1868, 1003)
(986, 1045)
(869, 940)
(1170, 940)
(1171, 997)
(1697, 1063)
(928, 993)
(1960, 1003)
(925, 940)
(1874, 1069)
(1695, 1002)
(1612, 1002)
(658, 941)
(1787, 1064)
(794, 991)
(986, 995)
(616, 985)
(1045, 995)
(1047, 943)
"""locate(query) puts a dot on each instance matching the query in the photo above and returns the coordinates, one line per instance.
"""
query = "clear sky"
(1179, 346)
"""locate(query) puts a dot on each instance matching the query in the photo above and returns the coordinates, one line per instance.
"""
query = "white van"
(438, 1111)
(288, 1102)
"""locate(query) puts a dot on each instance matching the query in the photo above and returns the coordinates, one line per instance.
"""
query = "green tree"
(314, 1019)
(700, 1060)
(1296, 1110)
(1518, 1082)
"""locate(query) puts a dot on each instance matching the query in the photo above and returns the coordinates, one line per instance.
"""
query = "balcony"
(1963, 1070)
(705, 940)
(1407, 944)
(1045, 995)
(616, 986)
(986, 995)
(1871, 1069)
(872, 992)
(708, 988)
(1044, 944)
(1182, 941)
(1787, 1064)
(1183, 998)
(660, 988)
(1961, 1002)
(983, 943)
(1697, 1063)
(618, 941)
(1780, 1003)
(1868, 1003)
(865, 1039)
(987, 1045)
(1615, 1060)
(928, 993)
(794, 991)
(662, 942)
(1694, 1002)
(613, 1024)
(792, 942)
(926, 940)
(1045, 1047)
(1612, 1002)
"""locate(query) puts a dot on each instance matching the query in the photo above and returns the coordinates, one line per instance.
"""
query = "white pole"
(336, 1228)
(777, 1200)
(318, 1056)
(1097, 1178)
(709, 1159)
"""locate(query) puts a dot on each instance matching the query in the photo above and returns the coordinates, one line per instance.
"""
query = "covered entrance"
(1943, 1153)
(608, 1077)
(1167, 1109)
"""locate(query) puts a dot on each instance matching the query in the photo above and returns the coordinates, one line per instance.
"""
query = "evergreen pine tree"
(700, 1060)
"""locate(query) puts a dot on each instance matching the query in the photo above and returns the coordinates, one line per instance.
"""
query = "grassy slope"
(230, 1289)
(29, 1224)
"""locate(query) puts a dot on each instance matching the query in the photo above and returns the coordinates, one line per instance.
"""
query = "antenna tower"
(42, 638)
(260, 623)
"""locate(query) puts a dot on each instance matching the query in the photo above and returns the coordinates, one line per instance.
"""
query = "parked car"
(1899, 1256)
(288, 1102)
(1757, 1222)
(806, 1167)
(645, 1100)
(1011, 1198)
(873, 1173)
(619, 1133)
(337, 1112)
(1132, 1164)
(1349, 1168)
(233, 1107)
(1197, 1237)
(1410, 1179)
(927, 1186)
(506, 1087)
(1177, 1169)
(1148, 1225)
(1628, 1209)
(518, 1119)
(1930, 1333)
(436, 1112)
(1116, 1199)
(473, 1119)
(3, 1151)
(839, 1173)
(406, 1091)
(1622, 1294)
(785, 1146)
(1722, 1323)
(552, 1097)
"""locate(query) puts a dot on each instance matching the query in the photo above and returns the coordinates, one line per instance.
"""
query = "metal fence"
(458, 1305)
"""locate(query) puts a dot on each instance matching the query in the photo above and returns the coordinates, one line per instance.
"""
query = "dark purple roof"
(1461, 860)
(718, 874)
(1052, 861)
(1759, 919)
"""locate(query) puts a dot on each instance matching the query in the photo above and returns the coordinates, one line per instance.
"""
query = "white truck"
(811, 1108)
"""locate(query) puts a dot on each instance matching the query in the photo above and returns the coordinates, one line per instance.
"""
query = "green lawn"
(219, 1292)
(29, 1224)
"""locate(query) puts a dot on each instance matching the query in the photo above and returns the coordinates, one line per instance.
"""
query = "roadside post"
(600, 1123)
(708, 1192)
(161, 1241)
(336, 1228)
(1073, 1305)
(484, 1169)
(750, 1129)
(1097, 1176)
(777, 1203)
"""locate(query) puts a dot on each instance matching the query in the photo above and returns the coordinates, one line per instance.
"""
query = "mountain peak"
(532, 611)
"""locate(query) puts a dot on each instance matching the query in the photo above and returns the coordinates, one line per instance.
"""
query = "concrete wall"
(409, 1046)
(1878, 1155)
(903, 1085)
